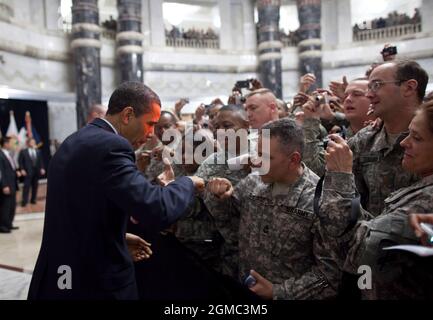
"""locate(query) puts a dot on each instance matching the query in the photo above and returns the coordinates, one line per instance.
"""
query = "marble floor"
(18, 254)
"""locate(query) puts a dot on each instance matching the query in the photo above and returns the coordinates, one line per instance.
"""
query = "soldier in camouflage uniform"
(166, 122)
(395, 274)
(355, 117)
(272, 214)
(197, 230)
(396, 89)
(229, 117)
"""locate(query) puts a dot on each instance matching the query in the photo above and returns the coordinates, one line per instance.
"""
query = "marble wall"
(37, 59)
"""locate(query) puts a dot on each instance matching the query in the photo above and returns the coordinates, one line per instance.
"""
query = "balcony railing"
(192, 43)
(108, 34)
(288, 42)
(387, 33)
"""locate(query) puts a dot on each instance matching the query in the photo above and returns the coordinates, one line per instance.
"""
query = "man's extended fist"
(220, 187)
(198, 183)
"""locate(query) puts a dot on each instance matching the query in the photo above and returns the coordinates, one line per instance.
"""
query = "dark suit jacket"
(8, 174)
(93, 189)
(25, 162)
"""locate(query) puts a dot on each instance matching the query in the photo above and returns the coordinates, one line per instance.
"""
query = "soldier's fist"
(338, 155)
(220, 187)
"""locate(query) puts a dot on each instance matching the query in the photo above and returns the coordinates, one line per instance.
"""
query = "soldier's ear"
(295, 158)
(410, 87)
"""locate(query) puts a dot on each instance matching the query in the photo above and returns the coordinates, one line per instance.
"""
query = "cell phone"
(390, 51)
(250, 281)
(243, 84)
(342, 134)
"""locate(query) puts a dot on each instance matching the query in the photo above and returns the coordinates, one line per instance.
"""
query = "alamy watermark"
(64, 282)
(365, 278)
(238, 143)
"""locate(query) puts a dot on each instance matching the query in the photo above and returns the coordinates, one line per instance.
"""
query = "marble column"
(250, 36)
(269, 45)
(426, 16)
(37, 13)
(129, 40)
(310, 46)
(145, 23)
(336, 25)
(86, 47)
(157, 28)
(345, 30)
(53, 18)
(226, 42)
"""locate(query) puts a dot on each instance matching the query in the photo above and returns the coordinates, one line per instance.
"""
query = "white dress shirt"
(112, 127)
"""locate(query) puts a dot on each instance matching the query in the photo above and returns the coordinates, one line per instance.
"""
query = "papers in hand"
(421, 251)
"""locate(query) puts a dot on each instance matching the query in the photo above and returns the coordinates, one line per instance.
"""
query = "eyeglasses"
(374, 86)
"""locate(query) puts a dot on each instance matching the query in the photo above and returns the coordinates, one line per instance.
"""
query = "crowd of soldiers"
(191, 34)
(350, 173)
(393, 19)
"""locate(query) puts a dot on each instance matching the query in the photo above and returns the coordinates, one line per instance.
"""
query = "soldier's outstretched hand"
(220, 187)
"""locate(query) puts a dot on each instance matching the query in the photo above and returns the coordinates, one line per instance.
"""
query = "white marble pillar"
(226, 25)
(237, 24)
(156, 23)
(336, 22)
(53, 18)
(37, 13)
(426, 15)
(145, 23)
(62, 119)
(250, 34)
(21, 10)
(344, 27)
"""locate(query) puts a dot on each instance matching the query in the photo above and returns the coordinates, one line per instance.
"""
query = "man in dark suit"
(31, 167)
(94, 188)
(8, 186)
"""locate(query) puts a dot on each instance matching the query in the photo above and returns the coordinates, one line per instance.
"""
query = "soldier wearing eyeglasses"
(395, 89)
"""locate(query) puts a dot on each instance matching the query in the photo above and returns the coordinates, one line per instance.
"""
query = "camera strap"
(355, 207)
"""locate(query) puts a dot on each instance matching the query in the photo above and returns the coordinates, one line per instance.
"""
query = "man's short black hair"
(4, 140)
(289, 134)
(132, 94)
(174, 119)
(409, 69)
(235, 108)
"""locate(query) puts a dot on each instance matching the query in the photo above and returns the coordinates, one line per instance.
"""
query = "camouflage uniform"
(338, 120)
(211, 169)
(279, 236)
(198, 232)
(349, 133)
(156, 167)
(377, 167)
(216, 166)
(395, 274)
(314, 153)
